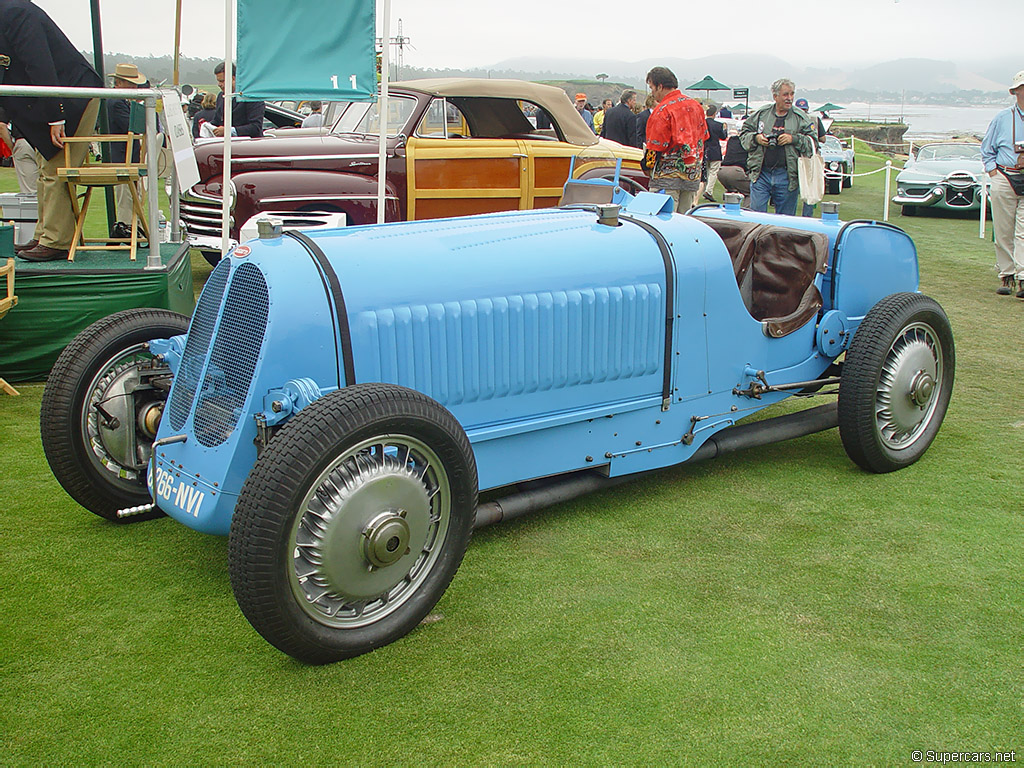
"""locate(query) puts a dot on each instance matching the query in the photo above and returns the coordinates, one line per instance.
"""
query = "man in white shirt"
(315, 119)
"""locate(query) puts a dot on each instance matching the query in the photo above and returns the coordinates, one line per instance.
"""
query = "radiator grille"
(186, 381)
(236, 350)
(202, 215)
(479, 349)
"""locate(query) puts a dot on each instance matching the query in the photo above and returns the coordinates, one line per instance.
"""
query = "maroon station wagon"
(455, 147)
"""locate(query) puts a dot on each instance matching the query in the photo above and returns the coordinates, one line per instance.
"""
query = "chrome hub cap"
(386, 539)
(369, 531)
(909, 386)
(921, 389)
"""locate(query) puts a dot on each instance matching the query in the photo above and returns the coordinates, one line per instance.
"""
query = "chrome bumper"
(930, 199)
(209, 243)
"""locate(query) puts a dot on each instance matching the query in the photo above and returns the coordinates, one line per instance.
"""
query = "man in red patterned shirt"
(676, 132)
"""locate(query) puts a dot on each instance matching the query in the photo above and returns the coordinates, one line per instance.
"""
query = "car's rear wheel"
(896, 383)
(101, 409)
(353, 522)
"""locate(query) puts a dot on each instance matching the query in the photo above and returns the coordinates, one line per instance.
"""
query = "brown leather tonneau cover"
(775, 268)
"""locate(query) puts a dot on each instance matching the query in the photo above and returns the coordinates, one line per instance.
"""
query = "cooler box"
(21, 209)
(6, 243)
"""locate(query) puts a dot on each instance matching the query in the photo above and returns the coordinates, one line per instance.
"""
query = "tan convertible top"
(553, 100)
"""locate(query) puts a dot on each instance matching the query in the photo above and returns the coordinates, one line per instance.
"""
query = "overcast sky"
(457, 33)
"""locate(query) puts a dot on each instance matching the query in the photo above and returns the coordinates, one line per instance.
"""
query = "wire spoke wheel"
(897, 382)
(908, 388)
(369, 531)
(352, 522)
(101, 409)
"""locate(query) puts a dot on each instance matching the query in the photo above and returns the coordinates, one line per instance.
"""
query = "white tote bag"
(812, 177)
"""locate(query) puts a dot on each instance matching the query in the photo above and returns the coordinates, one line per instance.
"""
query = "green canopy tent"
(707, 85)
(828, 107)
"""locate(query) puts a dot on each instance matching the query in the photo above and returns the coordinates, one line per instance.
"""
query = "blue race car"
(337, 402)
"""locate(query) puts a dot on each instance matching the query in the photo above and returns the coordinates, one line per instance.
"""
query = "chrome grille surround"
(200, 332)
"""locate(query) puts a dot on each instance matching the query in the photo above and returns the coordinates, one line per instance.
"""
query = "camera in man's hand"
(773, 140)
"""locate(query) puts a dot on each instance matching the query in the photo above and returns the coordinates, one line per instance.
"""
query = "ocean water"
(926, 121)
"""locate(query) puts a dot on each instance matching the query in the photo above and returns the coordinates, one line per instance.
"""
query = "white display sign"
(181, 140)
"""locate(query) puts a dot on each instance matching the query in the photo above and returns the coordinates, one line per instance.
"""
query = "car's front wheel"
(848, 176)
(896, 383)
(908, 210)
(353, 522)
(101, 409)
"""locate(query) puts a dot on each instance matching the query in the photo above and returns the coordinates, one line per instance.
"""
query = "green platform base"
(57, 299)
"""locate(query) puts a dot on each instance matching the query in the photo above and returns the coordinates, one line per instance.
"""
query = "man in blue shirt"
(581, 107)
(1003, 154)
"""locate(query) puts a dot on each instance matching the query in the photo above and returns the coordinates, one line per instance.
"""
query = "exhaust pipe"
(735, 438)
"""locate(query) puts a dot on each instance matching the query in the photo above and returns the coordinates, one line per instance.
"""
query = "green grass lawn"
(778, 606)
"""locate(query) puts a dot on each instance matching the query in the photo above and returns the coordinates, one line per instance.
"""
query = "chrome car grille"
(202, 215)
(236, 350)
(959, 198)
(222, 354)
(200, 331)
(960, 190)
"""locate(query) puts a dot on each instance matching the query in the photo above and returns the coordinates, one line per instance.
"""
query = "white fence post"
(888, 182)
(984, 205)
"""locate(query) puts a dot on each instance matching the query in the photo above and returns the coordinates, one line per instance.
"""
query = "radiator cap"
(269, 229)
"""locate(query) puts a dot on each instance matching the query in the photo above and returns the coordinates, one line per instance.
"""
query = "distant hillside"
(922, 79)
(911, 80)
(923, 75)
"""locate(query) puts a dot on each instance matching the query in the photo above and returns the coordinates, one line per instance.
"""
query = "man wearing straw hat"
(1002, 151)
(33, 51)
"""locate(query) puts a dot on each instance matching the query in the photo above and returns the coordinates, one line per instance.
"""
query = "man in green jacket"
(775, 136)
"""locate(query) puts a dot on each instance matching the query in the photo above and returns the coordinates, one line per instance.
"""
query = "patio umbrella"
(707, 85)
(828, 107)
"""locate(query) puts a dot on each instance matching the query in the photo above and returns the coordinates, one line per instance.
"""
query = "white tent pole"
(229, 72)
(383, 110)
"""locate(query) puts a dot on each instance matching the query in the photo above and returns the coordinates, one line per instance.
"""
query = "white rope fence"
(983, 182)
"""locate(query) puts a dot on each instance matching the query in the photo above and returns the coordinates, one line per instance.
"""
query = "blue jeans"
(773, 185)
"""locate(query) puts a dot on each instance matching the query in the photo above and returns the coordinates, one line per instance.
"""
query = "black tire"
(848, 179)
(833, 186)
(320, 563)
(896, 382)
(94, 369)
(908, 210)
(212, 257)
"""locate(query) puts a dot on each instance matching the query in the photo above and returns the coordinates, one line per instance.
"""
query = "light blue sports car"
(839, 164)
(945, 176)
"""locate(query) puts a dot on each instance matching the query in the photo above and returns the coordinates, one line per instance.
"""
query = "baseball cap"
(1018, 81)
(581, 96)
(802, 103)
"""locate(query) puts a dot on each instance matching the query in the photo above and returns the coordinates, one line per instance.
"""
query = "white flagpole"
(229, 72)
(383, 110)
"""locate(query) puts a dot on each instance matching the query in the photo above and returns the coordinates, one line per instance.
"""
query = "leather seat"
(778, 288)
(775, 269)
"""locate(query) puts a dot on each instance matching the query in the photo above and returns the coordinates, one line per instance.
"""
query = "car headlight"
(833, 166)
